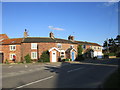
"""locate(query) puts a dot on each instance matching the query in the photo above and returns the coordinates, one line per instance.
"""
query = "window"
(12, 47)
(90, 46)
(99, 48)
(33, 45)
(95, 48)
(62, 52)
(71, 46)
(84, 46)
(11, 56)
(59, 45)
(33, 55)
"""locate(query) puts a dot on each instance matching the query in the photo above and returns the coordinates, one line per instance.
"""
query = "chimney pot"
(51, 35)
(71, 38)
(25, 33)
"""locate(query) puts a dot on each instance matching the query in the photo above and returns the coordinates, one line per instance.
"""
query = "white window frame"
(11, 47)
(84, 46)
(95, 48)
(11, 56)
(35, 55)
(58, 45)
(71, 46)
(33, 45)
(62, 54)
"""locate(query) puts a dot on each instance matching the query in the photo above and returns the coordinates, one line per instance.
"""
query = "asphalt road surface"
(61, 75)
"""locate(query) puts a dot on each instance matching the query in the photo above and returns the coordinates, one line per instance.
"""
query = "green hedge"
(27, 58)
(67, 59)
(111, 54)
(44, 57)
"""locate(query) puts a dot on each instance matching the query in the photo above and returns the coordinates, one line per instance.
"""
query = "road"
(60, 75)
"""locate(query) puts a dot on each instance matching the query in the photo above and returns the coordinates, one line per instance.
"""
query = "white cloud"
(110, 2)
(53, 28)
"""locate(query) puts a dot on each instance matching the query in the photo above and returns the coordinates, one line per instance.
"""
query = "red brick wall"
(43, 47)
(25, 48)
(0, 48)
(6, 51)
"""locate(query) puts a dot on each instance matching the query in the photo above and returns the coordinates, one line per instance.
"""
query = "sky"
(86, 21)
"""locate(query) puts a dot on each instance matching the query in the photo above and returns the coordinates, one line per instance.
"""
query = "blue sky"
(87, 21)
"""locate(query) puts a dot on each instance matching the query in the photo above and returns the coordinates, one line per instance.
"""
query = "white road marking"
(75, 69)
(26, 66)
(10, 66)
(33, 82)
(99, 64)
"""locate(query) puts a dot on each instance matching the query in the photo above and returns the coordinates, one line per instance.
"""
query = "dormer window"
(59, 45)
(12, 47)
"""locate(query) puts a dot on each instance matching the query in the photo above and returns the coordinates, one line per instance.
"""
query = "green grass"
(113, 80)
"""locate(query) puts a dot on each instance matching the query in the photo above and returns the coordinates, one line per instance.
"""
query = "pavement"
(85, 74)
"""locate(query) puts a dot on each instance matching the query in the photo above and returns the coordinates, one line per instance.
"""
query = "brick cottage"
(34, 46)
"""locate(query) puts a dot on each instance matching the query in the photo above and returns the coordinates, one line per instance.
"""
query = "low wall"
(112, 56)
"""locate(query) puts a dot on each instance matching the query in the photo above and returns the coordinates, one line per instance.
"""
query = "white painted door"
(53, 56)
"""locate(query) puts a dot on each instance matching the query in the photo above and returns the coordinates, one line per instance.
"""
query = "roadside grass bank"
(113, 81)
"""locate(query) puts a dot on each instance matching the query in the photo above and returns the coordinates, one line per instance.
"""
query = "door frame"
(73, 55)
(54, 59)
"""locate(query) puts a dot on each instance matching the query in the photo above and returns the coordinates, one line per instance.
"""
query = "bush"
(79, 58)
(27, 58)
(111, 54)
(94, 57)
(106, 56)
(44, 57)
(68, 59)
(7, 62)
(118, 54)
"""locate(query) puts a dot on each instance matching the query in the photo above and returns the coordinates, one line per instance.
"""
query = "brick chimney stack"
(51, 35)
(25, 33)
(71, 38)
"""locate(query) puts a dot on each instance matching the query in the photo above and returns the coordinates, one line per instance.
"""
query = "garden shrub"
(68, 59)
(44, 57)
(27, 58)
(6, 61)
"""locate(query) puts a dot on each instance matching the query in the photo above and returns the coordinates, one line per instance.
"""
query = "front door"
(1, 57)
(72, 56)
(53, 56)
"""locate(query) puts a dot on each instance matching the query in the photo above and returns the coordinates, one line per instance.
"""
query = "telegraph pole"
(107, 46)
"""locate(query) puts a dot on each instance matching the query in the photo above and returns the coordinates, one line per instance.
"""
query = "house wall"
(26, 48)
(41, 47)
(1, 48)
(7, 52)
(97, 50)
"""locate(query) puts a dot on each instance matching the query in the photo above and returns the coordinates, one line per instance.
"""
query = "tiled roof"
(3, 36)
(45, 39)
(87, 43)
(12, 41)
